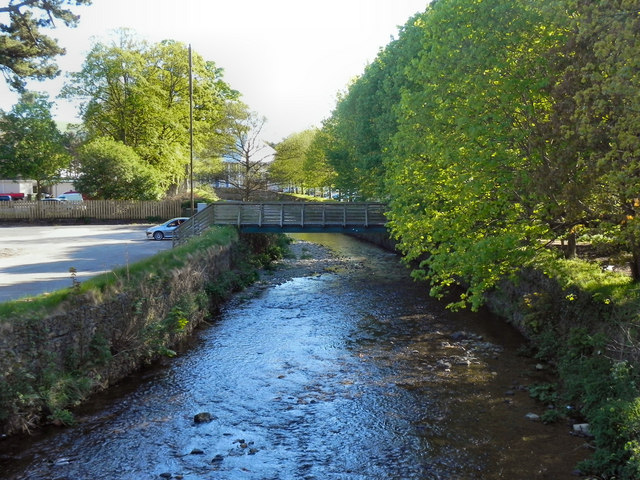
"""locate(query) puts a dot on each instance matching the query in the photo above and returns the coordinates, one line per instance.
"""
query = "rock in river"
(203, 417)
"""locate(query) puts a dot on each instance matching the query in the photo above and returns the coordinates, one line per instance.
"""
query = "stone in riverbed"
(458, 336)
(582, 429)
(444, 365)
(203, 417)
(463, 361)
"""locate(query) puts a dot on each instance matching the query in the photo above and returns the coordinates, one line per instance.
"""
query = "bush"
(551, 416)
(616, 427)
(113, 170)
(606, 392)
(544, 392)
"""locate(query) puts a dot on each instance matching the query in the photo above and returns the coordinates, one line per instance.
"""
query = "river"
(338, 367)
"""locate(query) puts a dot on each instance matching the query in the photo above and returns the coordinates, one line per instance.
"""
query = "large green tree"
(337, 153)
(472, 132)
(288, 168)
(138, 94)
(605, 112)
(31, 146)
(25, 51)
(358, 134)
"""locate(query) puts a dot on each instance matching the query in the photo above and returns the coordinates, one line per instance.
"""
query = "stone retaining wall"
(98, 341)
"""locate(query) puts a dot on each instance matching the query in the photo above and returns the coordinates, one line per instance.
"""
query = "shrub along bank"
(60, 348)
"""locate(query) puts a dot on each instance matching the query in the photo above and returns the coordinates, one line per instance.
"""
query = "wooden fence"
(90, 209)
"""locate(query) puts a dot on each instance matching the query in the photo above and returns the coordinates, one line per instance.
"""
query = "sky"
(288, 58)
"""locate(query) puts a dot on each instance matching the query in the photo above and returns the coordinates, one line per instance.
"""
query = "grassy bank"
(61, 347)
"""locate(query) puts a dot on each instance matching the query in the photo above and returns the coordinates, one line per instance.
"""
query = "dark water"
(350, 374)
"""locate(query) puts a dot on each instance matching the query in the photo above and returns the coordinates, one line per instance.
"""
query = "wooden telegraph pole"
(191, 131)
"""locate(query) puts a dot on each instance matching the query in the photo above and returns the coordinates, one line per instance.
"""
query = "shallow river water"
(352, 372)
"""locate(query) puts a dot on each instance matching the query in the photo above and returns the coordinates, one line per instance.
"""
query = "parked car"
(5, 198)
(71, 197)
(166, 229)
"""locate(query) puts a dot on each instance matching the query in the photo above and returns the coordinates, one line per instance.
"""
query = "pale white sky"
(288, 58)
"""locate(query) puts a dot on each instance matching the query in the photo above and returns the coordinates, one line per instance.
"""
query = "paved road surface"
(37, 259)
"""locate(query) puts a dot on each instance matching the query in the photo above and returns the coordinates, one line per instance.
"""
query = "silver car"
(166, 229)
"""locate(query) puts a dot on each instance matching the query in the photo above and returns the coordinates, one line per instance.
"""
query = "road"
(37, 259)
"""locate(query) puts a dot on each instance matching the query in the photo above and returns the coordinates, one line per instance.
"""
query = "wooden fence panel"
(91, 209)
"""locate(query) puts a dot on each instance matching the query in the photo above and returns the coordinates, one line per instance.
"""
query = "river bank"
(333, 365)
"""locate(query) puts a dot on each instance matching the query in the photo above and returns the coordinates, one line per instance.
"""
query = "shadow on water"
(353, 373)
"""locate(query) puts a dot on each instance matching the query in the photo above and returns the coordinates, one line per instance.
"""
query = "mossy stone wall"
(90, 343)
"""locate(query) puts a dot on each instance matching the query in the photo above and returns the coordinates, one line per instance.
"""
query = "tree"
(358, 134)
(288, 167)
(606, 112)
(138, 94)
(316, 165)
(472, 134)
(26, 52)
(31, 146)
(112, 170)
(337, 153)
(248, 158)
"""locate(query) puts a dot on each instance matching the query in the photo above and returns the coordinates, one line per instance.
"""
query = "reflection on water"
(353, 374)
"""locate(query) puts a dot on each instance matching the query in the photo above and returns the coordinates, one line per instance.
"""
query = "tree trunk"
(571, 251)
(635, 262)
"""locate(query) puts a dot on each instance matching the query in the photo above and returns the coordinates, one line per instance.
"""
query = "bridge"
(287, 217)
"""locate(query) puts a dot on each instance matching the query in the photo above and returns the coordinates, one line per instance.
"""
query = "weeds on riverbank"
(586, 322)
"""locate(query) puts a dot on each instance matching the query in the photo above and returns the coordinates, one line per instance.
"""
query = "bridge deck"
(288, 217)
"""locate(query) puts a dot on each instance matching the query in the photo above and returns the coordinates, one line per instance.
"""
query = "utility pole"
(191, 131)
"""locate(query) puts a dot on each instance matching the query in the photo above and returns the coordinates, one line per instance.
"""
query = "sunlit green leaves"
(138, 94)
(499, 125)
(112, 170)
(365, 119)
(288, 168)
(470, 140)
